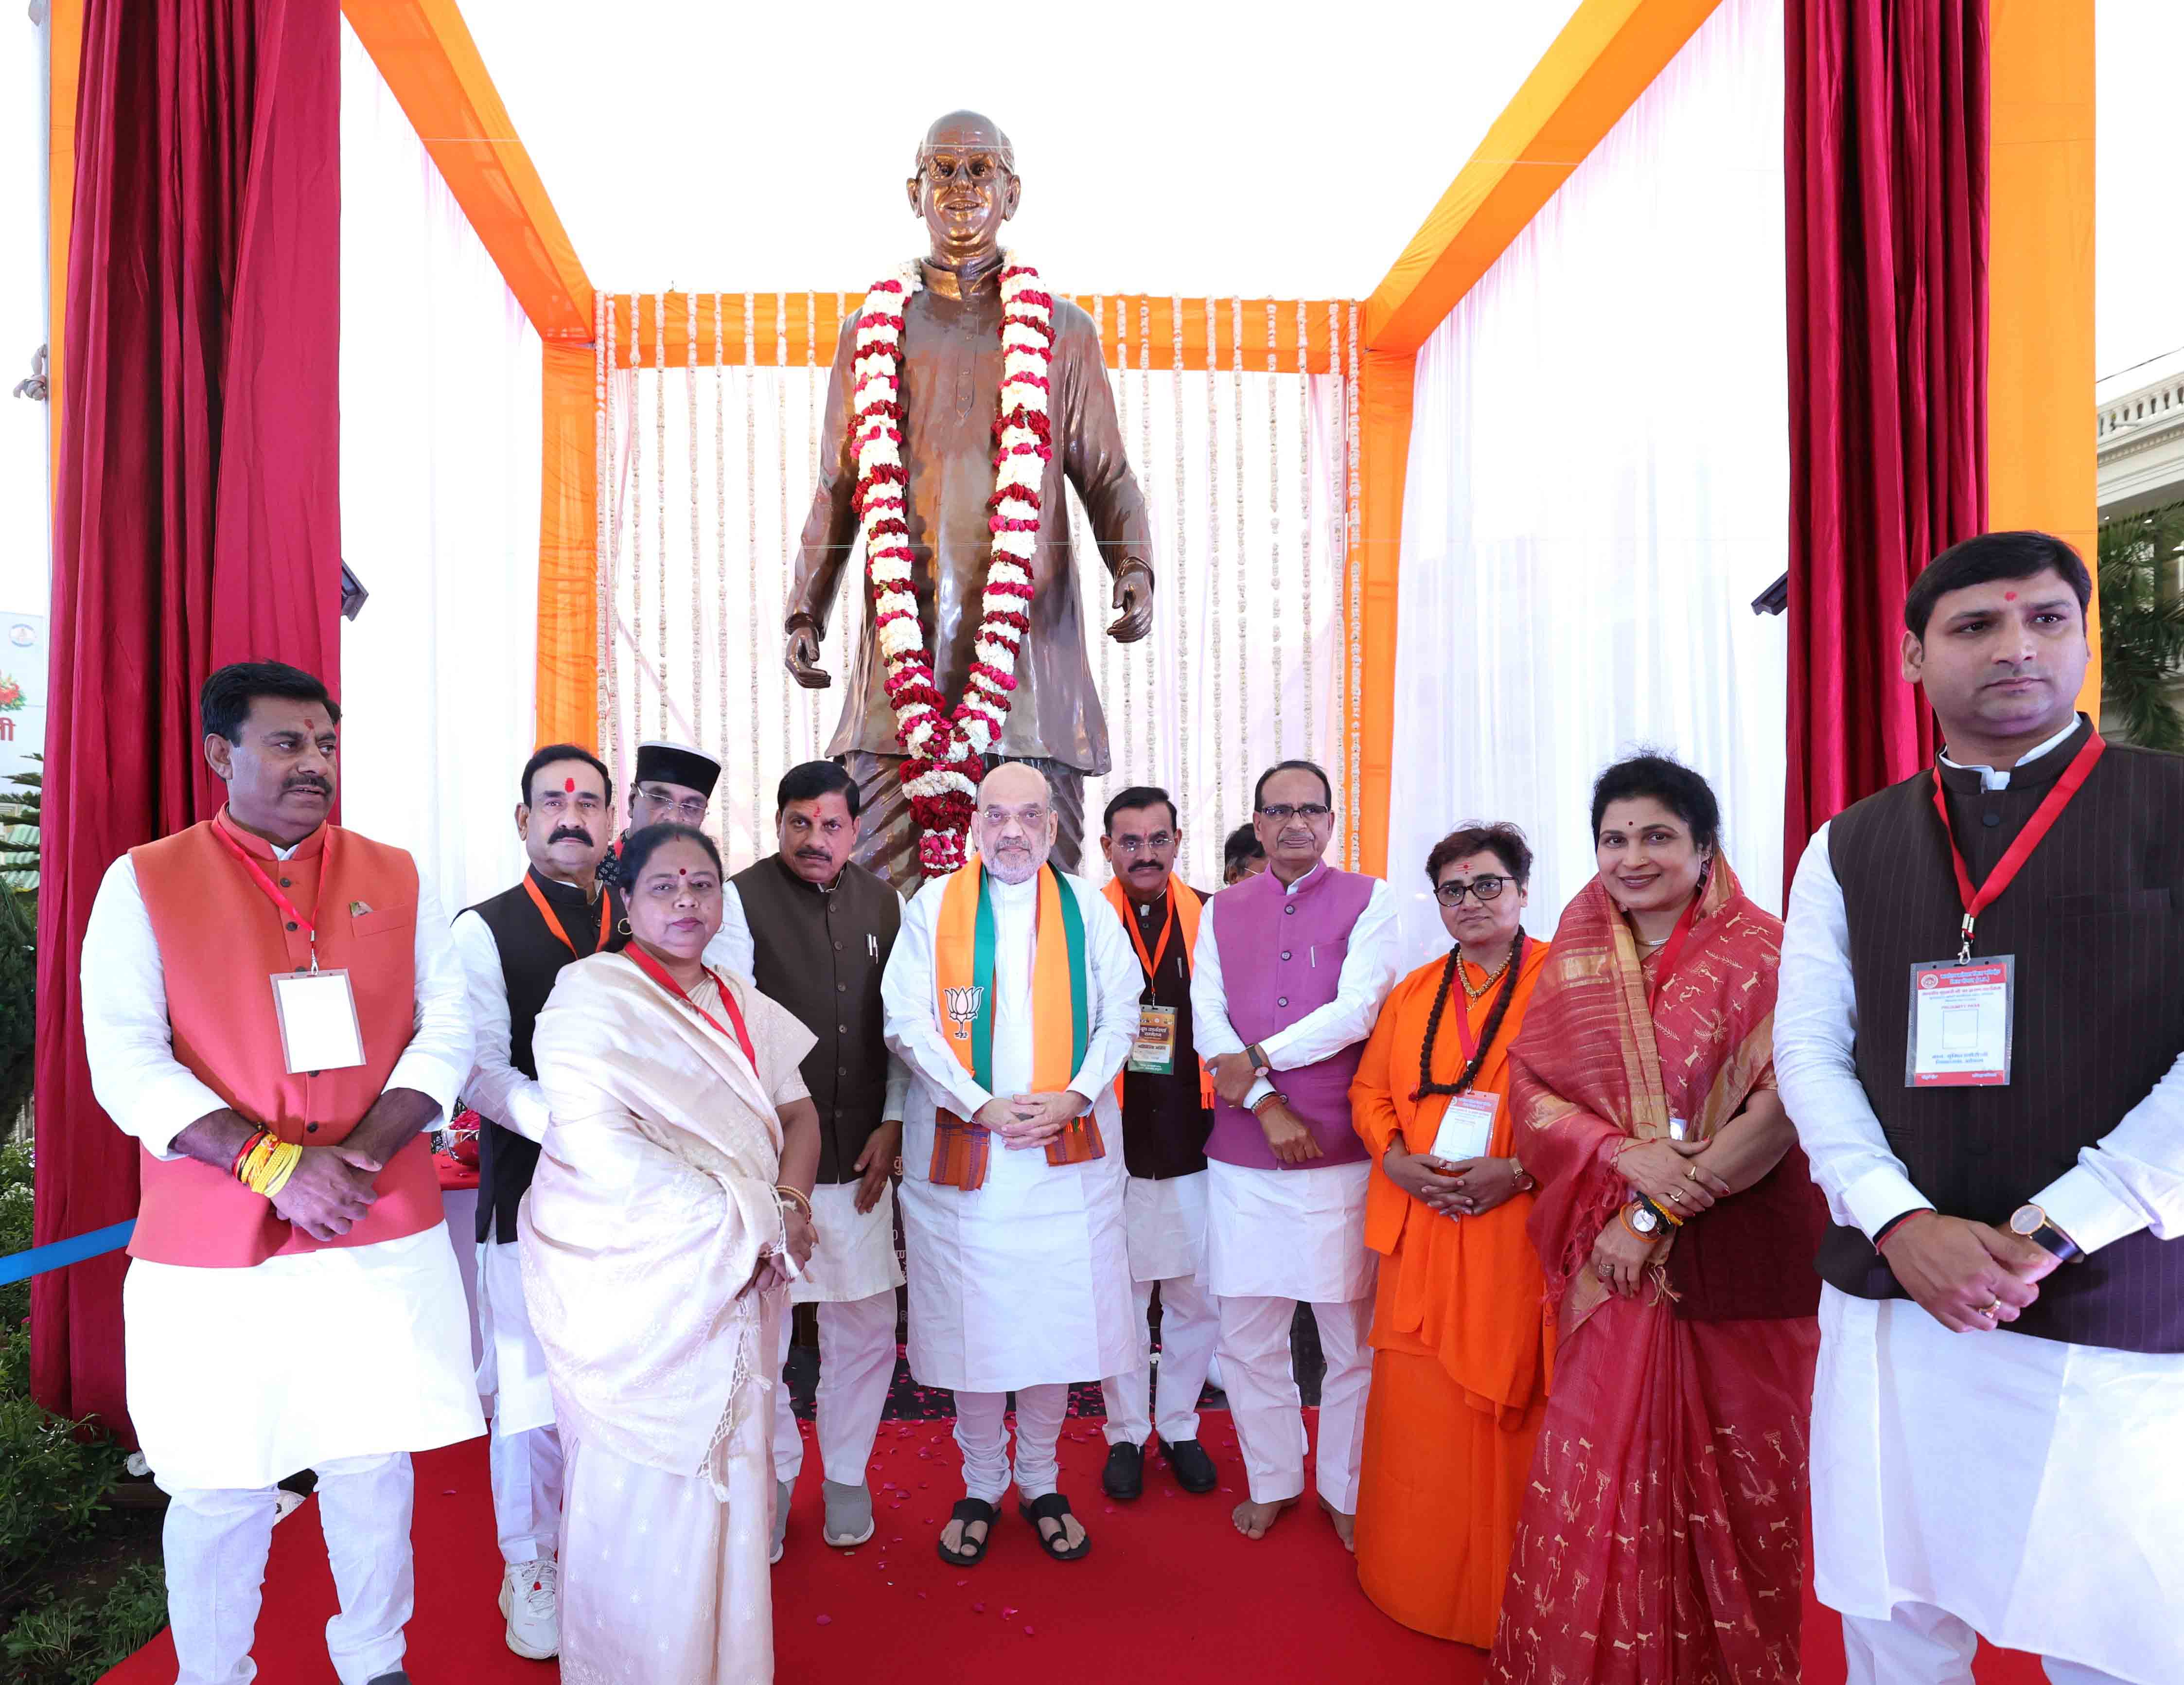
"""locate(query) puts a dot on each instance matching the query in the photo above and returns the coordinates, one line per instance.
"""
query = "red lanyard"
(1665, 967)
(657, 972)
(290, 912)
(1467, 1040)
(1976, 902)
(546, 911)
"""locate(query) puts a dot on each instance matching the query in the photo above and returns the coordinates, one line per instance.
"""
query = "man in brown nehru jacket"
(814, 929)
(1981, 1036)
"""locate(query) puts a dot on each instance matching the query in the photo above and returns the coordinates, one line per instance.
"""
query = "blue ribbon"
(18, 1266)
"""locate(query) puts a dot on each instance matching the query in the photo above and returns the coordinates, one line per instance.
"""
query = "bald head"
(1016, 821)
(967, 132)
(964, 189)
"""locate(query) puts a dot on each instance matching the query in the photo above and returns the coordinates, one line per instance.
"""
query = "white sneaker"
(530, 1598)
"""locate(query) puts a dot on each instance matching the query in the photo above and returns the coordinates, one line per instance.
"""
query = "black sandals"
(966, 1511)
(1052, 1508)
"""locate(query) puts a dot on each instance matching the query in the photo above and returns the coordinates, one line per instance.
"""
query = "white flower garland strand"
(1220, 755)
(947, 749)
(697, 540)
(635, 520)
(1243, 553)
(780, 464)
(1304, 520)
(1356, 602)
(1149, 661)
(601, 567)
(811, 451)
(750, 549)
(1178, 571)
(1123, 754)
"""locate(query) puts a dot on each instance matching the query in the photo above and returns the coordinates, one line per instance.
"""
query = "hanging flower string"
(947, 748)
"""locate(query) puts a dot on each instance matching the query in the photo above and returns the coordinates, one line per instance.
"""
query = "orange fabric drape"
(1384, 459)
(568, 549)
(2041, 468)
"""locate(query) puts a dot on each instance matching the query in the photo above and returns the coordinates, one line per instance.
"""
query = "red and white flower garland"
(946, 748)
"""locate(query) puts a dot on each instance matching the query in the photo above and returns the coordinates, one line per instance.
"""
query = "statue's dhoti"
(886, 835)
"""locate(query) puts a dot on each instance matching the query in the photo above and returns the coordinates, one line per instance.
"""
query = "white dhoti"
(2025, 1488)
(851, 1279)
(341, 1361)
(1165, 1221)
(525, 1459)
(1276, 1239)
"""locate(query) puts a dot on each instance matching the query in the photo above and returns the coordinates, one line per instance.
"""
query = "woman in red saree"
(1661, 1540)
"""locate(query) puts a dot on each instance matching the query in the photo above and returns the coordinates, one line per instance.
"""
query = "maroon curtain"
(1886, 159)
(195, 520)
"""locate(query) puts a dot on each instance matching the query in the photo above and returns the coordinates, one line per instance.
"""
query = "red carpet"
(1170, 1594)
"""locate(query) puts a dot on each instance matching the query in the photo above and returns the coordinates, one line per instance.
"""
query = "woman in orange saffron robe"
(1458, 1338)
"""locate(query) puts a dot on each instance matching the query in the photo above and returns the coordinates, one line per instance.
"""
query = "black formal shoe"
(1193, 1469)
(1124, 1476)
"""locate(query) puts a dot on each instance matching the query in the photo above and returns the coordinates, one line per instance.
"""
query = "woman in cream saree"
(665, 1216)
(1661, 1539)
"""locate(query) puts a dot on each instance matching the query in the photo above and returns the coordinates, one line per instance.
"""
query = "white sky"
(1192, 147)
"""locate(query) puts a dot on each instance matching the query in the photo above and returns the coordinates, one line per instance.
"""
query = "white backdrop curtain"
(1596, 491)
(712, 478)
(439, 465)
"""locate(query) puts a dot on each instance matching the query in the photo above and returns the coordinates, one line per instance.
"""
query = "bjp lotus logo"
(963, 1005)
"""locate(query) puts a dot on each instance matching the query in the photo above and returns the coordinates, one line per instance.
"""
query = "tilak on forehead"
(569, 786)
(2009, 596)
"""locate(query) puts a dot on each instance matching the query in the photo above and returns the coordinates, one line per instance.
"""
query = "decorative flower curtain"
(709, 468)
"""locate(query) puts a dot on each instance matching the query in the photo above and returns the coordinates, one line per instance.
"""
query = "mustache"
(569, 833)
(309, 781)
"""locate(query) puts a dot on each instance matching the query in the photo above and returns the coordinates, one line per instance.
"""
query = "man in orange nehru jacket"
(272, 1007)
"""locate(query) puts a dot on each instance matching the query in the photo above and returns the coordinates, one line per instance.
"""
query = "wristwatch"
(1525, 1180)
(1643, 1219)
(2031, 1222)
(1257, 1055)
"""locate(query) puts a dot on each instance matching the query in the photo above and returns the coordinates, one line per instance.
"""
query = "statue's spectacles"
(1484, 890)
(1281, 812)
(689, 808)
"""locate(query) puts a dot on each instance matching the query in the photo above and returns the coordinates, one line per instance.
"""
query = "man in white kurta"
(1286, 1173)
(1021, 1285)
(342, 1358)
(1980, 1466)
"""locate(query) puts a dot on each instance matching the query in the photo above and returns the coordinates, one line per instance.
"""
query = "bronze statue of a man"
(951, 355)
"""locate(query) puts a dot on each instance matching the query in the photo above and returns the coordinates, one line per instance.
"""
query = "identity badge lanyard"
(1466, 1127)
(546, 911)
(1152, 1051)
(1962, 1010)
(314, 1009)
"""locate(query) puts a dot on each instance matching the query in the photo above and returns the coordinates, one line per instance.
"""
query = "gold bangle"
(794, 1198)
(270, 1177)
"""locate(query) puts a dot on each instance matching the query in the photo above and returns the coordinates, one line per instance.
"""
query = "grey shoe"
(397, 1677)
(848, 1513)
(783, 1490)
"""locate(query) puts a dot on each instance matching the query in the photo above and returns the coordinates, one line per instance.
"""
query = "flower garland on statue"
(947, 748)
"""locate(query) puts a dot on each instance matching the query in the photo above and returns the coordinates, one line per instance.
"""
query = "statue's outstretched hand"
(1133, 602)
(803, 657)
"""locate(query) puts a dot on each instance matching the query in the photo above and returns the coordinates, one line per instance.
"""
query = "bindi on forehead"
(569, 786)
(2009, 596)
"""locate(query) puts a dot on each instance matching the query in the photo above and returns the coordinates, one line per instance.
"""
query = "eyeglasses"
(1152, 845)
(690, 808)
(1281, 811)
(1486, 888)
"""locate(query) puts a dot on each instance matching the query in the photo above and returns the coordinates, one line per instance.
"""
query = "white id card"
(319, 1030)
(1467, 1128)
(1960, 1024)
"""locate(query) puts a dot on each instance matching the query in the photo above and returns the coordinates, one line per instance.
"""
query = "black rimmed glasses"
(1281, 812)
(1484, 890)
